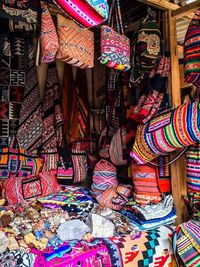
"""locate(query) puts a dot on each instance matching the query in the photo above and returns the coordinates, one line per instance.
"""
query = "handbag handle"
(17, 166)
(115, 9)
(172, 160)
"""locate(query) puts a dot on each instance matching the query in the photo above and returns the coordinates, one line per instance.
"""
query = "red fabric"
(20, 189)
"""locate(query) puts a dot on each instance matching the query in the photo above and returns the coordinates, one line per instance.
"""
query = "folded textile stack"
(151, 216)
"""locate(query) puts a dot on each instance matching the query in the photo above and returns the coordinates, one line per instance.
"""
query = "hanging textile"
(114, 100)
(75, 105)
(12, 82)
(30, 124)
(41, 122)
(192, 51)
(52, 119)
(193, 171)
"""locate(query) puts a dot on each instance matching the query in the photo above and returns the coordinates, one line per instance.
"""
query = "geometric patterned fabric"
(12, 82)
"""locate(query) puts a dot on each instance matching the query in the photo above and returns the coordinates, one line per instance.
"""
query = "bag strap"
(115, 11)
(171, 161)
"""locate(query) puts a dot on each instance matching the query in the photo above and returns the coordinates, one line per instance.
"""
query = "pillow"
(20, 189)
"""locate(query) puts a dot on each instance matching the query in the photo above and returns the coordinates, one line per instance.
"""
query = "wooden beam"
(178, 177)
(186, 10)
(160, 4)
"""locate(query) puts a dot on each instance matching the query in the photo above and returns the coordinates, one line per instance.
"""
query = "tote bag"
(76, 44)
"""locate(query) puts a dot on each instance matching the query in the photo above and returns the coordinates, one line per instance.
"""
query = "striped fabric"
(164, 181)
(87, 13)
(104, 177)
(192, 51)
(145, 184)
(167, 132)
(188, 243)
(193, 170)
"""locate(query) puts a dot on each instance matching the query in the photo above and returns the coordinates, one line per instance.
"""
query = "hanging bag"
(87, 13)
(193, 171)
(192, 51)
(147, 49)
(115, 46)
(20, 189)
(72, 166)
(145, 182)
(15, 161)
(49, 38)
(167, 132)
(76, 44)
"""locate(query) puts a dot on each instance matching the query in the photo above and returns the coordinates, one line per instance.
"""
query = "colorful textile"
(111, 198)
(115, 49)
(30, 123)
(154, 211)
(75, 105)
(145, 184)
(20, 189)
(164, 173)
(71, 196)
(17, 258)
(21, 16)
(104, 177)
(74, 170)
(76, 44)
(70, 254)
(143, 224)
(192, 51)
(52, 117)
(50, 159)
(41, 123)
(86, 13)
(188, 243)
(12, 83)
(167, 132)
(193, 171)
(49, 38)
(151, 248)
(147, 45)
(146, 249)
(15, 161)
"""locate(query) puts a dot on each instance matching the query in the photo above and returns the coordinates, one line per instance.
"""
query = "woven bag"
(15, 161)
(192, 51)
(115, 46)
(72, 166)
(86, 13)
(21, 189)
(186, 243)
(167, 132)
(145, 181)
(104, 177)
(49, 38)
(193, 171)
(76, 44)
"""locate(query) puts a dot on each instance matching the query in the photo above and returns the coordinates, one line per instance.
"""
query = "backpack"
(146, 46)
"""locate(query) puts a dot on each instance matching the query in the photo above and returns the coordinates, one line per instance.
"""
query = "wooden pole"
(178, 168)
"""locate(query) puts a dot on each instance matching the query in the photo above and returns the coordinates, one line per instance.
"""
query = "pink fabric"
(83, 8)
